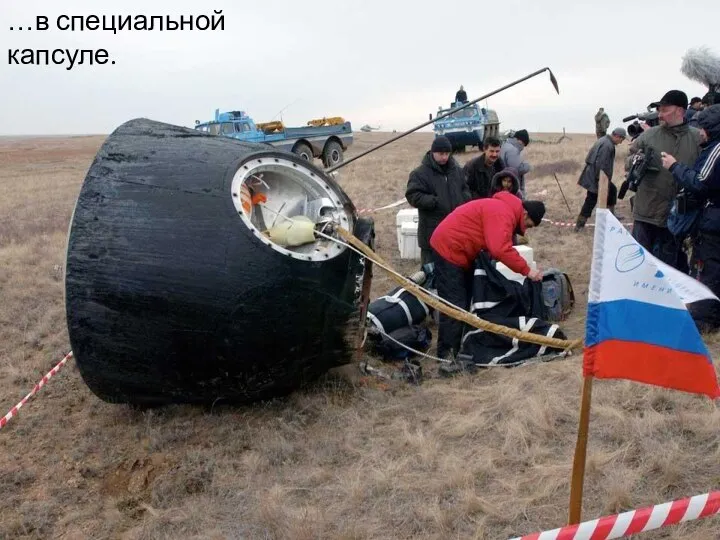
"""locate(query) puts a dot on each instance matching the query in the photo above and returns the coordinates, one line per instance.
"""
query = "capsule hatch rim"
(307, 176)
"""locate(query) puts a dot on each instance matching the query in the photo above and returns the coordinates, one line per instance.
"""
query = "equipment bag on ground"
(558, 295)
(487, 348)
(522, 306)
(397, 309)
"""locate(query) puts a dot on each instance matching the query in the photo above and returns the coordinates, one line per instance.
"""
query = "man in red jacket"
(481, 224)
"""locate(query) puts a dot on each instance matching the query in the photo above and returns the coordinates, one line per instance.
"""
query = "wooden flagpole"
(578, 470)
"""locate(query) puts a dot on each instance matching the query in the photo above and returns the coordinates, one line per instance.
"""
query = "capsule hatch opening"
(282, 202)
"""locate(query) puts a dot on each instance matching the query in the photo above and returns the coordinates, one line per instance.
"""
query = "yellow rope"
(455, 313)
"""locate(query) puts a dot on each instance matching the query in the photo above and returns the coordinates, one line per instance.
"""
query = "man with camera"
(655, 188)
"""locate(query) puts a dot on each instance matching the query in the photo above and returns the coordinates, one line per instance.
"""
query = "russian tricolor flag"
(638, 326)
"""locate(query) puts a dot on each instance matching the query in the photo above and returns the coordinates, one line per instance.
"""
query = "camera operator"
(702, 180)
(656, 190)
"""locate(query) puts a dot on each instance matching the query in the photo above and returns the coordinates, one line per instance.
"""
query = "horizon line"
(30, 135)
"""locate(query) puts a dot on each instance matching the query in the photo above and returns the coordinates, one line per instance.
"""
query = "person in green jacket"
(602, 123)
(657, 189)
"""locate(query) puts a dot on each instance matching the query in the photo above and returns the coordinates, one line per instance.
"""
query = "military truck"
(467, 127)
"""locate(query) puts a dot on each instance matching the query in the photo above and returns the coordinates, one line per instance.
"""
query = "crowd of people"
(483, 206)
(676, 204)
(463, 211)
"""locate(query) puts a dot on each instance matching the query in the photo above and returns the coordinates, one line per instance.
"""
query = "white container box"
(408, 242)
(526, 252)
(407, 215)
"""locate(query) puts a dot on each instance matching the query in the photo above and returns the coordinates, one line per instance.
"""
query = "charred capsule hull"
(174, 291)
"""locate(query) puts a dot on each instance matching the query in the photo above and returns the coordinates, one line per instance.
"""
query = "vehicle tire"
(492, 130)
(332, 154)
(304, 151)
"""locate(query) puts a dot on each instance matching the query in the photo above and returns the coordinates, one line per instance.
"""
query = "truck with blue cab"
(466, 127)
(324, 138)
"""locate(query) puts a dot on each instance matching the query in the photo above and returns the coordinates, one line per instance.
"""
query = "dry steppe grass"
(483, 456)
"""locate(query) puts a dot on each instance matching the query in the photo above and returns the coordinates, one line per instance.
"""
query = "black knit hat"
(709, 120)
(441, 144)
(522, 135)
(711, 98)
(535, 209)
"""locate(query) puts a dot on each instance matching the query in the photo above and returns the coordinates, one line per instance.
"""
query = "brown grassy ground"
(484, 456)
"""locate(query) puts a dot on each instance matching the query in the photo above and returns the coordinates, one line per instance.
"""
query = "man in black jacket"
(479, 171)
(435, 188)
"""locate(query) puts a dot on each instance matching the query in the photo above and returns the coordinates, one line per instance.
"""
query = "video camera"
(640, 165)
(650, 117)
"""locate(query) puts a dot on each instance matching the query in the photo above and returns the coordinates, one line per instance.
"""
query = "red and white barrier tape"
(399, 202)
(402, 201)
(636, 521)
(13, 412)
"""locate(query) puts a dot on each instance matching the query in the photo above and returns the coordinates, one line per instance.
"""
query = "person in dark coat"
(601, 157)
(435, 188)
(461, 95)
(479, 171)
(480, 225)
(702, 180)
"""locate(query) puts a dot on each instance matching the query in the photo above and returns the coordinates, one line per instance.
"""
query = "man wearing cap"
(692, 110)
(601, 157)
(510, 155)
(435, 188)
(657, 188)
(482, 224)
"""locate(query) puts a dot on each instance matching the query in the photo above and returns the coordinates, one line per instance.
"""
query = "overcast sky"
(387, 62)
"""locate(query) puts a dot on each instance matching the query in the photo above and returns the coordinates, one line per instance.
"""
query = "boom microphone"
(703, 66)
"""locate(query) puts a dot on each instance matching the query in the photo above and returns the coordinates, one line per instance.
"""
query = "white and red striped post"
(636, 521)
(13, 412)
